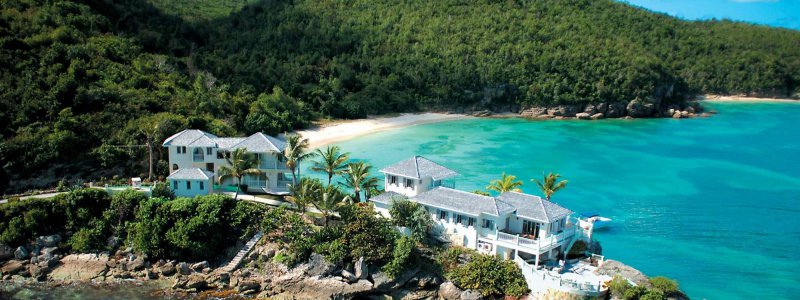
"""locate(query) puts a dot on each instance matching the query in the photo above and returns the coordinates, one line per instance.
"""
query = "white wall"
(194, 189)
(419, 185)
(187, 161)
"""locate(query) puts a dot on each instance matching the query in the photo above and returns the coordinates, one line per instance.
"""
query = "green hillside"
(80, 79)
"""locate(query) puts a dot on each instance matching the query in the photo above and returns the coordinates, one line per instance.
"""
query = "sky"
(777, 13)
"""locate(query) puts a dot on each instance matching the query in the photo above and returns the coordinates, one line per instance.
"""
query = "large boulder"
(564, 110)
(602, 108)
(79, 267)
(382, 282)
(6, 252)
(350, 277)
(640, 109)
(248, 286)
(471, 295)
(168, 269)
(532, 112)
(21, 253)
(184, 268)
(449, 291)
(597, 116)
(361, 269)
(318, 266)
(583, 116)
(136, 264)
(200, 266)
(12, 267)
(613, 267)
(616, 110)
(197, 282)
(48, 240)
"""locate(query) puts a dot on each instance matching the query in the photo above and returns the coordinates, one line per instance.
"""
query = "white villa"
(532, 231)
(195, 157)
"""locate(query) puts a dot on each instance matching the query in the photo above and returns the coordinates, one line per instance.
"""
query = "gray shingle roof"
(186, 137)
(419, 167)
(463, 202)
(257, 142)
(191, 174)
(387, 197)
(534, 207)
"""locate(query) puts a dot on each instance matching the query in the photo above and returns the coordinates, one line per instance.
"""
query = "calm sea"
(713, 202)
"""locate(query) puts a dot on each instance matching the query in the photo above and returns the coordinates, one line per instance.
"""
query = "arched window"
(174, 167)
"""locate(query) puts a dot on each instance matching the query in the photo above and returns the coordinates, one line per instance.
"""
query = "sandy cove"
(344, 130)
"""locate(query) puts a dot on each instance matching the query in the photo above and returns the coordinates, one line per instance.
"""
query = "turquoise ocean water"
(713, 203)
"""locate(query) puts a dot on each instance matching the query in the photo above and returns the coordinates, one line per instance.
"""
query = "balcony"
(533, 245)
(272, 165)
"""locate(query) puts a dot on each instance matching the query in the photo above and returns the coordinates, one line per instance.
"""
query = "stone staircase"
(234, 263)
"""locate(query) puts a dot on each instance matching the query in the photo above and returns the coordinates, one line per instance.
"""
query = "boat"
(593, 221)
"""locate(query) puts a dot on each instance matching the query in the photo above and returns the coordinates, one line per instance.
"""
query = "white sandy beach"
(344, 130)
(745, 99)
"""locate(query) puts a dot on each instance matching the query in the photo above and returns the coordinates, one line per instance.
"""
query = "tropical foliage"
(74, 73)
(295, 152)
(357, 177)
(506, 183)
(549, 185)
(491, 276)
(411, 215)
(90, 220)
(332, 161)
(240, 163)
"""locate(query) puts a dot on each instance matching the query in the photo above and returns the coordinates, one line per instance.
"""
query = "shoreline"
(744, 99)
(347, 129)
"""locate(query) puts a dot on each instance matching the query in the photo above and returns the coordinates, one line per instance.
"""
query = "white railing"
(540, 243)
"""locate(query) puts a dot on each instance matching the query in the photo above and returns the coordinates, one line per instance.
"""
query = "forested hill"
(80, 78)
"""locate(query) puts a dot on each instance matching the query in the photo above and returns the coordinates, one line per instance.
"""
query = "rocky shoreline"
(609, 110)
(261, 275)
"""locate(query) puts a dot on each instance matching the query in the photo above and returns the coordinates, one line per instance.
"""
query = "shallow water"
(713, 202)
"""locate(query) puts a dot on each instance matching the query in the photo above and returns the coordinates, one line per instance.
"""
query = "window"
(208, 150)
(220, 154)
(202, 185)
(175, 184)
(442, 215)
(174, 167)
(182, 149)
(470, 221)
(392, 179)
(409, 183)
(459, 219)
(210, 167)
(188, 185)
(488, 224)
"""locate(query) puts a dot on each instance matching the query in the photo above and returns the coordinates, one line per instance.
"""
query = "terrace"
(575, 276)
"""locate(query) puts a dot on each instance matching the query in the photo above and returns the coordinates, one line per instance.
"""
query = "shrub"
(491, 276)
(411, 215)
(664, 285)
(401, 256)
(634, 292)
(367, 235)
(162, 190)
(652, 295)
(618, 286)
(449, 258)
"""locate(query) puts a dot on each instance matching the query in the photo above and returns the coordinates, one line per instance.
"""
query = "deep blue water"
(776, 13)
(712, 202)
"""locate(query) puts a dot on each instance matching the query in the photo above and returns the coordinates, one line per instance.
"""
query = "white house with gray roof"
(198, 150)
(510, 225)
(191, 182)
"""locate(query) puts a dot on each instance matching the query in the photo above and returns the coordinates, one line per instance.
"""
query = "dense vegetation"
(197, 228)
(78, 78)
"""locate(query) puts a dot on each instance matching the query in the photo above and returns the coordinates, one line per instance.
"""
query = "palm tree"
(240, 164)
(506, 183)
(332, 161)
(305, 193)
(548, 184)
(356, 175)
(369, 185)
(330, 201)
(295, 152)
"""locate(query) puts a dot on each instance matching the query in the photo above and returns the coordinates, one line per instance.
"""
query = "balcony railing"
(198, 157)
(272, 165)
(540, 243)
(539, 277)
